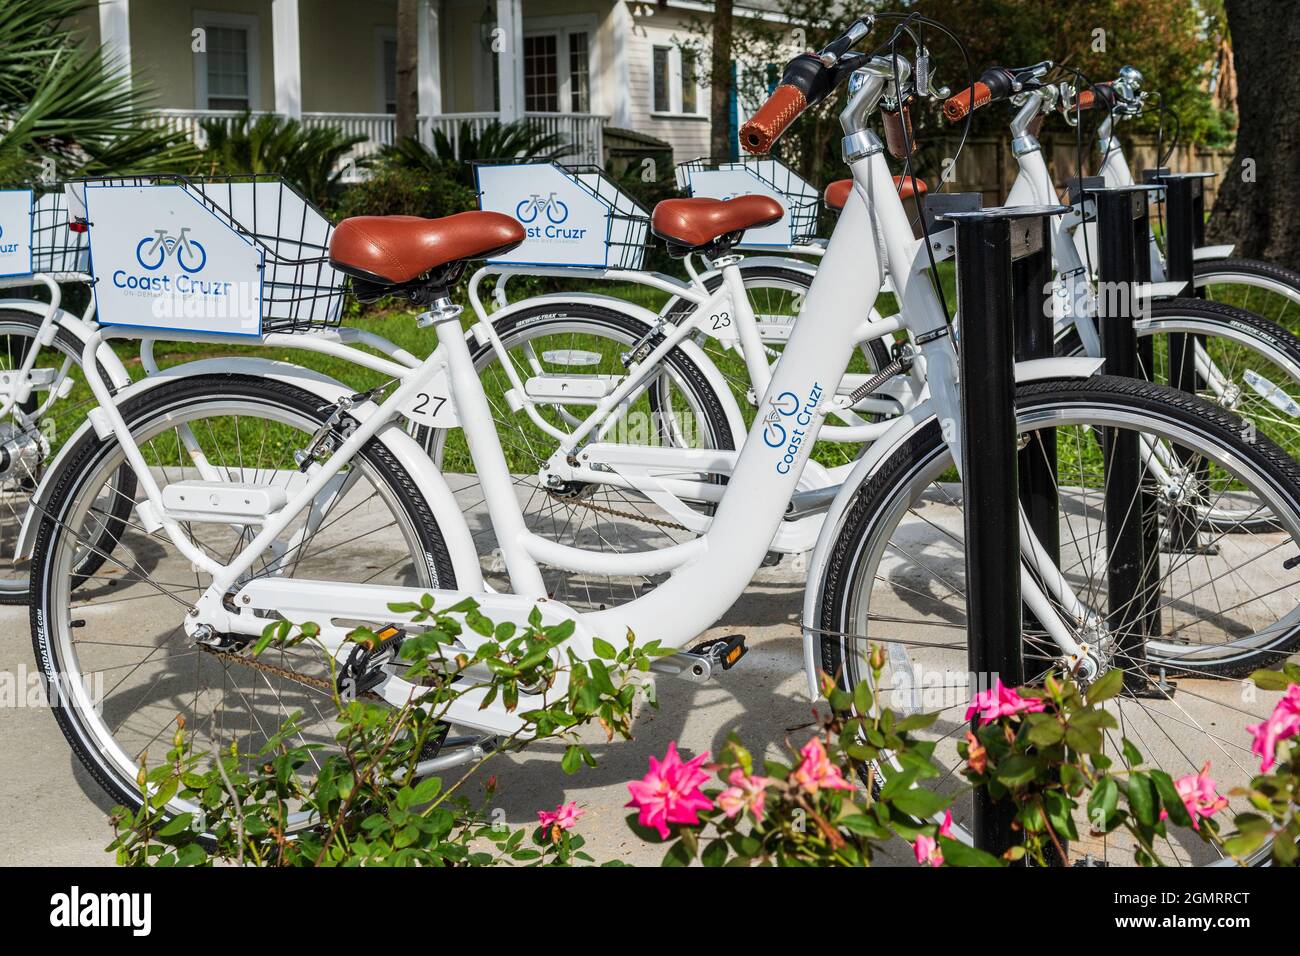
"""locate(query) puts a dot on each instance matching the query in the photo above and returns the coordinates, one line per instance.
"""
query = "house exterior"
(570, 66)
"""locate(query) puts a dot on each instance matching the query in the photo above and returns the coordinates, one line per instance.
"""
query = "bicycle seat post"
(989, 243)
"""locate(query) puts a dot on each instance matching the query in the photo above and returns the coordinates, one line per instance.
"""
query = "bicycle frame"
(18, 384)
(748, 513)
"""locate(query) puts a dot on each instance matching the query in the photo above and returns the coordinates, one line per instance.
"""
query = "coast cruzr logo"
(786, 424)
(544, 219)
(6, 247)
(185, 269)
(157, 250)
(528, 209)
(152, 251)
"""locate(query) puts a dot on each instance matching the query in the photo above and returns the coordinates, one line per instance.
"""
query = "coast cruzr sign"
(565, 222)
(15, 232)
(163, 260)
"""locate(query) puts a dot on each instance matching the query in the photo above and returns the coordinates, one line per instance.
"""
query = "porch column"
(430, 56)
(115, 33)
(510, 71)
(617, 100)
(287, 57)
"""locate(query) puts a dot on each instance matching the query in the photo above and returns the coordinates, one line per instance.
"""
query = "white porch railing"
(583, 130)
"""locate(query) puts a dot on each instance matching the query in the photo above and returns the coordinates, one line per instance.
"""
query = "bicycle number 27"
(432, 406)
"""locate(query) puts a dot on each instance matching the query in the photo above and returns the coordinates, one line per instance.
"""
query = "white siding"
(689, 136)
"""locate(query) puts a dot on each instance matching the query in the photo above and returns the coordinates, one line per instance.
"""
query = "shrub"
(495, 141)
(367, 802)
(312, 159)
(397, 191)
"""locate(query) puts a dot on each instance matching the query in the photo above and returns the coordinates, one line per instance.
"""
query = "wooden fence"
(987, 166)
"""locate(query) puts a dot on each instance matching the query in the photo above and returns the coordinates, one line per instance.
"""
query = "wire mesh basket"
(763, 175)
(574, 215)
(59, 246)
(297, 290)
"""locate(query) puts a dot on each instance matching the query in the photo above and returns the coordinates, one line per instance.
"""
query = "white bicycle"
(269, 515)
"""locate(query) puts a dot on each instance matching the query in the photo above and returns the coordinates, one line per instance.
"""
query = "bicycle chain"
(631, 516)
(320, 683)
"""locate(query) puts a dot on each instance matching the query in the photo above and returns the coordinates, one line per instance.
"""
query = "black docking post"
(987, 243)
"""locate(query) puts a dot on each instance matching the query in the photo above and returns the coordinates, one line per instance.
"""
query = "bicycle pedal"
(364, 669)
(727, 651)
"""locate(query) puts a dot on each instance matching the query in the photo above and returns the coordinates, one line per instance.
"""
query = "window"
(228, 68)
(579, 74)
(542, 73)
(690, 83)
(557, 72)
(660, 68)
(388, 63)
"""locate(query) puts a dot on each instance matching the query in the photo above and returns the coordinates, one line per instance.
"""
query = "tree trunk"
(1258, 206)
(408, 67)
(720, 144)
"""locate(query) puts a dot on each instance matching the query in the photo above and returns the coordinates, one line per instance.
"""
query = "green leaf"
(677, 855)
(1046, 733)
(1270, 680)
(1016, 770)
(426, 790)
(956, 853)
(715, 854)
(1142, 798)
(1106, 686)
(603, 649)
(1102, 803)
(572, 759)
(920, 802)
(1164, 785)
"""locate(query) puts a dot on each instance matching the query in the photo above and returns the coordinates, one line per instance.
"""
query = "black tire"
(1274, 345)
(1203, 270)
(872, 500)
(68, 344)
(69, 480)
(925, 669)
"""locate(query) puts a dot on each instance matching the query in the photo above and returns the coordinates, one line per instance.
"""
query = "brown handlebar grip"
(1087, 99)
(766, 126)
(895, 123)
(958, 105)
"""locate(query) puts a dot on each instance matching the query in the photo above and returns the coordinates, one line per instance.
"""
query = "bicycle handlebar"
(994, 85)
(807, 79)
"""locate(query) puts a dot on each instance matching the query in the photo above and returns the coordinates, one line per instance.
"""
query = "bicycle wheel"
(776, 295)
(679, 409)
(1268, 290)
(26, 448)
(112, 647)
(1221, 609)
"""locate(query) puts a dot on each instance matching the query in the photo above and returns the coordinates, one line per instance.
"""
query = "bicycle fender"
(866, 466)
(427, 478)
(692, 351)
(117, 372)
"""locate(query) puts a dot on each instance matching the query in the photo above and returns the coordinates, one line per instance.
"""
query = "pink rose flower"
(745, 793)
(1002, 701)
(1198, 795)
(816, 772)
(670, 792)
(1281, 725)
(564, 817)
(927, 847)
